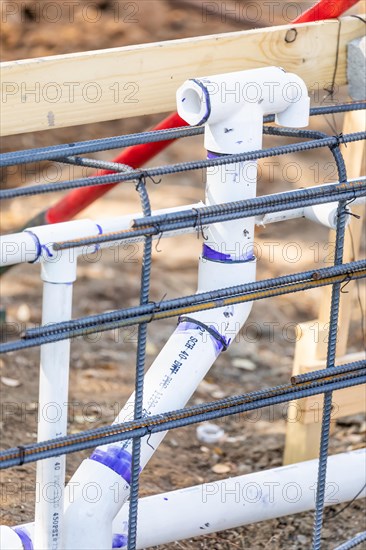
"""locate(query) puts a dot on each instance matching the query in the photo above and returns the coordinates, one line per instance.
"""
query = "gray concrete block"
(356, 68)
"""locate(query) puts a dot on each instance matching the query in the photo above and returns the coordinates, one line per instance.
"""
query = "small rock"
(221, 468)
(302, 539)
(244, 469)
(209, 433)
(10, 382)
(241, 363)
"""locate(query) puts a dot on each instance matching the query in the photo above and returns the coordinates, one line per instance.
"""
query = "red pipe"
(325, 9)
(136, 156)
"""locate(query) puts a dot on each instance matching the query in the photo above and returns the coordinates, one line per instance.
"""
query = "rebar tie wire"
(354, 374)
(61, 152)
(186, 305)
(324, 381)
(329, 141)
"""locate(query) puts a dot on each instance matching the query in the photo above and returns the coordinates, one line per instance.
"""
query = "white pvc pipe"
(169, 383)
(32, 244)
(231, 127)
(195, 344)
(17, 248)
(242, 500)
(229, 503)
(53, 399)
(233, 105)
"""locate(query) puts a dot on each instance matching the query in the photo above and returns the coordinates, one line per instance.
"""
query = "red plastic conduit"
(136, 156)
(325, 9)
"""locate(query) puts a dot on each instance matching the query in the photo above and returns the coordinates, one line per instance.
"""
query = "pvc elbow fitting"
(232, 105)
(59, 266)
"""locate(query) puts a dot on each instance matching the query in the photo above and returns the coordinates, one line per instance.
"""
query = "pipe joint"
(233, 105)
(59, 266)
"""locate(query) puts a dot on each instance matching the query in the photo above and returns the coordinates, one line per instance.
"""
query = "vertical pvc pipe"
(53, 400)
(190, 352)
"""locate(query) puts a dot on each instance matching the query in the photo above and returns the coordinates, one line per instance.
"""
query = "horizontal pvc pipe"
(242, 500)
(229, 503)
(29, 245)
(24, 247)
(17, 248)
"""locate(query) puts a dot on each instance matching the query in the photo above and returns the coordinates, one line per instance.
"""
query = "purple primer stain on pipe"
(187, 326)
(209, 253)
(24, 537)
(115, 458)
(119, 541)
(211, 155)
(38, 245)
(208, 101)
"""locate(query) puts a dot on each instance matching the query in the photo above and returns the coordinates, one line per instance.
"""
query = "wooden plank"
(344, 402)
(318, 364)
(304, 426)
(355, 158)
(303, 435)
(303, 440)
(80, 88)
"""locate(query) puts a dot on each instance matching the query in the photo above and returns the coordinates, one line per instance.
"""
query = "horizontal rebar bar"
(331, 141)
(324, 373)
(181, 219)
(176, 419)
(56, 152)
(189, 304)
(352, 543)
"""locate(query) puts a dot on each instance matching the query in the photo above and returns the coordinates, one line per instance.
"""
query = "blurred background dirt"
(102, 369)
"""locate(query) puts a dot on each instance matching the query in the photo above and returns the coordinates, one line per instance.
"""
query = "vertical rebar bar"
(140, 371)
(331, 353)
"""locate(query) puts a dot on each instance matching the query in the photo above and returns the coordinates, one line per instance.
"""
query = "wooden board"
(80, 88)
(355, 158)
(345, 402)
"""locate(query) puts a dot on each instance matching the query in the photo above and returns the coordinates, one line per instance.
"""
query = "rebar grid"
(326, 381)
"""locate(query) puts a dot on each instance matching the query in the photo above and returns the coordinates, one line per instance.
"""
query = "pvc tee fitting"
(232, 105)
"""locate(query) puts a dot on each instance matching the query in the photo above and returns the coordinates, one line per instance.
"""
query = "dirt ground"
(102, 367)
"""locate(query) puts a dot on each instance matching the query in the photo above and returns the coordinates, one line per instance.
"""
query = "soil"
(102, 367)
